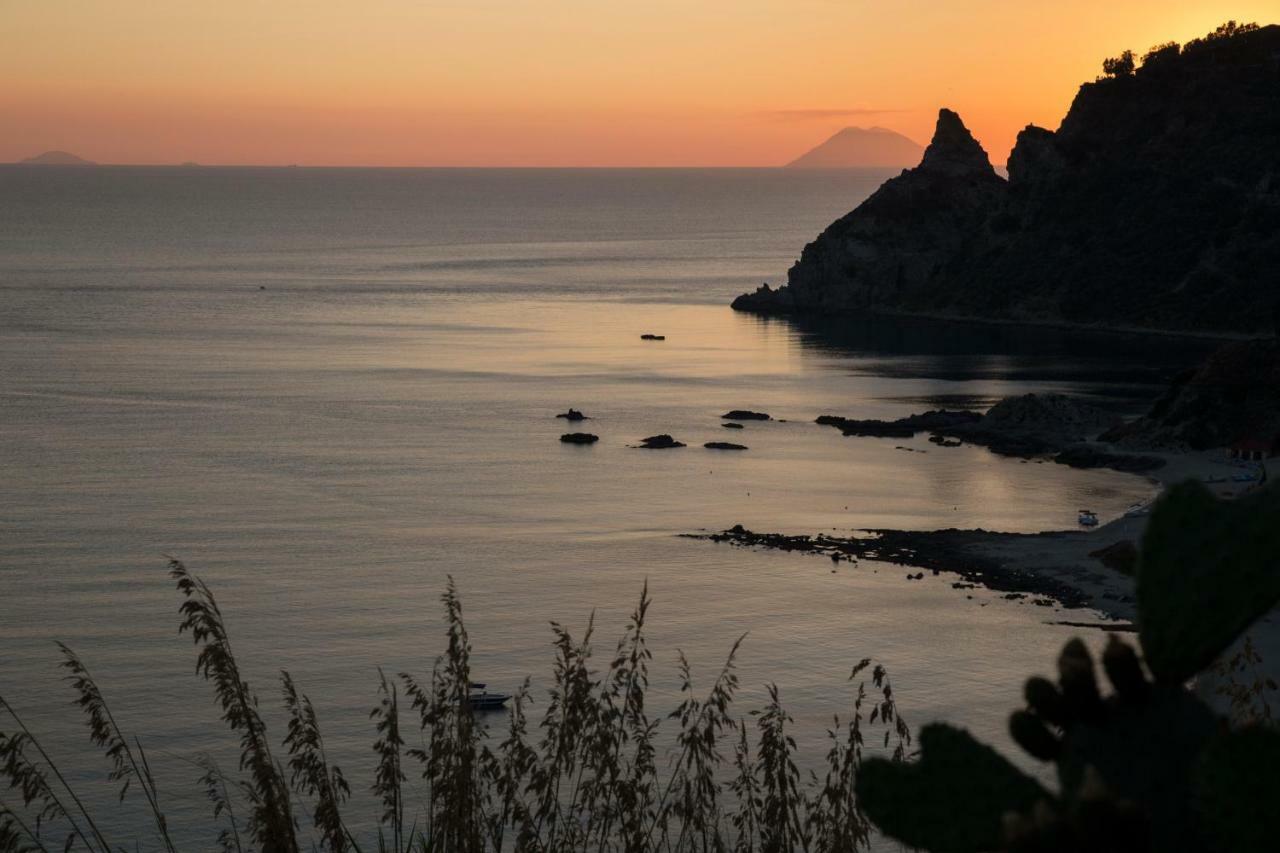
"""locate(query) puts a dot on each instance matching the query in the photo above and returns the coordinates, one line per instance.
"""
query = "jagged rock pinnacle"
(953, 150)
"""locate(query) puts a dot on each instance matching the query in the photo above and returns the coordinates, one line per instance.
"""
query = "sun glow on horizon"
(554, 83)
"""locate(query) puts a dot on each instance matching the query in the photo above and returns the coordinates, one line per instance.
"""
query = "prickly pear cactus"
(1147, 766)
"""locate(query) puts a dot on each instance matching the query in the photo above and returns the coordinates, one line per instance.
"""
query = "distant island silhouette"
(1155, 205)
(57, 158)
(861, 147)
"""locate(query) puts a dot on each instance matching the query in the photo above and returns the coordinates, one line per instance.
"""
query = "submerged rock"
(731, 426)
(579, 438)
(659, 442)
(724, 445)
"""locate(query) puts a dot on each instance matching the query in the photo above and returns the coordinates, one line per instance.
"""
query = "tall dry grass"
(588, 778)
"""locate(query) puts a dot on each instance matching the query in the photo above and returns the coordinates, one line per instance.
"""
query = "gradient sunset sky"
(547, 82)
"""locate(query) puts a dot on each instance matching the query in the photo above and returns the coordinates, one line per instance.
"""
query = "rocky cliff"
(1234, 396)
(1155, 204)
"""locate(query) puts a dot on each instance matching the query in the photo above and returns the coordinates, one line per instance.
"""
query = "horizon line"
(194, 165)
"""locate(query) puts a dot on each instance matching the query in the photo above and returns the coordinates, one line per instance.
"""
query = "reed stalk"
(591, 783)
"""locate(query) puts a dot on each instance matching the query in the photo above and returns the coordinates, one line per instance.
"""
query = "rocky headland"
(1053, 426)
(1155, 205)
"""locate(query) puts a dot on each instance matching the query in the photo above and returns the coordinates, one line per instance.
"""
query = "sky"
(548, 82)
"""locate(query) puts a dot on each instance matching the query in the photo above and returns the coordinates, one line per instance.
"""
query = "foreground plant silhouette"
(1148, 768)
(592, 780)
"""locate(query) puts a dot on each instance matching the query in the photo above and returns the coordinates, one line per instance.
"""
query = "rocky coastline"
(1056, 569)
(1030, 426)
(1154, 206)
(936, 551)
(1193, 431)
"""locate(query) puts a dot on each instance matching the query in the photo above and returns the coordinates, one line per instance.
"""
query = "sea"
(329, 391)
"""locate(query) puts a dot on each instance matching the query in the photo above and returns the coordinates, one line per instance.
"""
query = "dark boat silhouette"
(480, 699)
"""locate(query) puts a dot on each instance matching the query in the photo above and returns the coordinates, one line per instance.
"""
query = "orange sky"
(546, 82)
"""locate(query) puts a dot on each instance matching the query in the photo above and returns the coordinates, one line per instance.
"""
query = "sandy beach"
(1066, 558)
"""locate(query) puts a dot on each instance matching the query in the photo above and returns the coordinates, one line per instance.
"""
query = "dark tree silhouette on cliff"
(1229, 30)
(1161, 54)
(1119, 66)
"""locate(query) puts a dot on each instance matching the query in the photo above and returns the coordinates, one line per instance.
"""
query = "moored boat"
(480, 699)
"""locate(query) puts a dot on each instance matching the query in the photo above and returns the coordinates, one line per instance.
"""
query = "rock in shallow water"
(659, 442)
(573, 415)
(902, 427)
(724, 445)
(745, 415)
(579, 438)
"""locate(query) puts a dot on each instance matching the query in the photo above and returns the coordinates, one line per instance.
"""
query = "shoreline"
(1050, 567)
(1067, 325)
(1054, 569)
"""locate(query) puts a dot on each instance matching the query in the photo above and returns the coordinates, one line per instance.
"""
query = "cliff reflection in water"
(1123, 371)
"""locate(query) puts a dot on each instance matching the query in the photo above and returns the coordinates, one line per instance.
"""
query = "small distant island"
(57, 158)
(1154, 206)
(865, 147)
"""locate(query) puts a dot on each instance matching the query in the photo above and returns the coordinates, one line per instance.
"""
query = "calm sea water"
(327, 390)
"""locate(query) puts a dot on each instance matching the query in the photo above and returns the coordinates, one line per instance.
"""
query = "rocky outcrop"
(902, 427)
(1234, 396)
(895, 244)
(1056, 417)
(1035, 425)
(1156, 204)
(745, 415)
(659, 442)
(579, 438)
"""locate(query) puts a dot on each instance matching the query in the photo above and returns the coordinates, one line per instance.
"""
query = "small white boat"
(1087, 518)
